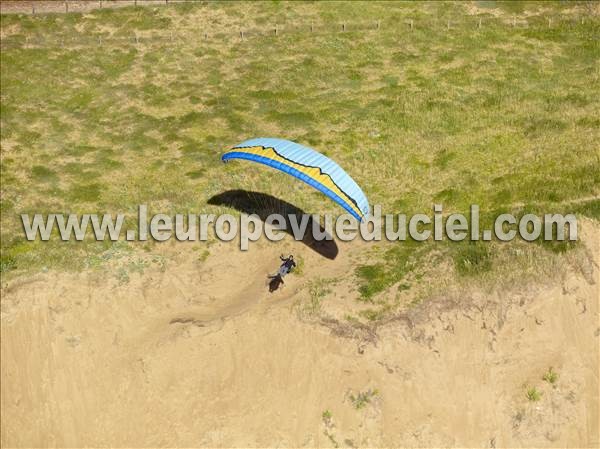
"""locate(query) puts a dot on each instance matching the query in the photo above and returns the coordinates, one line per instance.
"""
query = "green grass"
(504, 117)
(550, 376)
(393, 265)
(533, 394)
(362, 399)
(327, 418)
(317, 290)
(471, 258)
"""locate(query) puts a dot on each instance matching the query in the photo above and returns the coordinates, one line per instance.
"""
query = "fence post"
(514, 21)
(479, 24)
(100, 4)
(448, 25)
(411, 24)
(549, 22)
(205, 35)
(33, 8)
(343, 26)
(275, 30)
(312, 27)
(66, 6)
(242, 34)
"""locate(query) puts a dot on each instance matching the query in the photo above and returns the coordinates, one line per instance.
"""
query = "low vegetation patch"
(550, 376)
(327, 417)
(362, 399)
(533, 394)
(317, 290)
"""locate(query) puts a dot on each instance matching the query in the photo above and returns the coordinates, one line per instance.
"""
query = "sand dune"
(200, 354)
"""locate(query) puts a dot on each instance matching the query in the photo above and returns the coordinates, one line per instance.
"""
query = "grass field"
(504, 116)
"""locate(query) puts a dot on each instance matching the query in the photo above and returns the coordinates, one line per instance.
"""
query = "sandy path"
(202, 355)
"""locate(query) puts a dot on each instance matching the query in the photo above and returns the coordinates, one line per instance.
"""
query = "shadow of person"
(275, 282)
(263, 205)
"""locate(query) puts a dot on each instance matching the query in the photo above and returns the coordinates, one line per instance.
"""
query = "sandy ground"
(200, 354)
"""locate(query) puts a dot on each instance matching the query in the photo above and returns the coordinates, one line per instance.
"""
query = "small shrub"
(363, 398)
(327, 418)
(550, 376)
(203, 255)
(533, 394)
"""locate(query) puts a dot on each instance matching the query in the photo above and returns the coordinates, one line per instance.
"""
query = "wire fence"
(57, 6)
(405, 26)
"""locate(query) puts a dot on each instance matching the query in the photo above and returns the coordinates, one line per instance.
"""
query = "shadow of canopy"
(263, 205)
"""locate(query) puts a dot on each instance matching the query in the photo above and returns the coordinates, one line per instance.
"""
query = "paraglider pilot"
(287, 265)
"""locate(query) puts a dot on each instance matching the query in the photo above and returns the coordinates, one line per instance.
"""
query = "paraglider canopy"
(307, 165)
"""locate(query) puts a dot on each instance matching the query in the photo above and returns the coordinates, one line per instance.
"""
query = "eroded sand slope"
(203, 355)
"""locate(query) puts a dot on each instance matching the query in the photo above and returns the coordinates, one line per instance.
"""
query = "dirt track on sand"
(200, 354)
